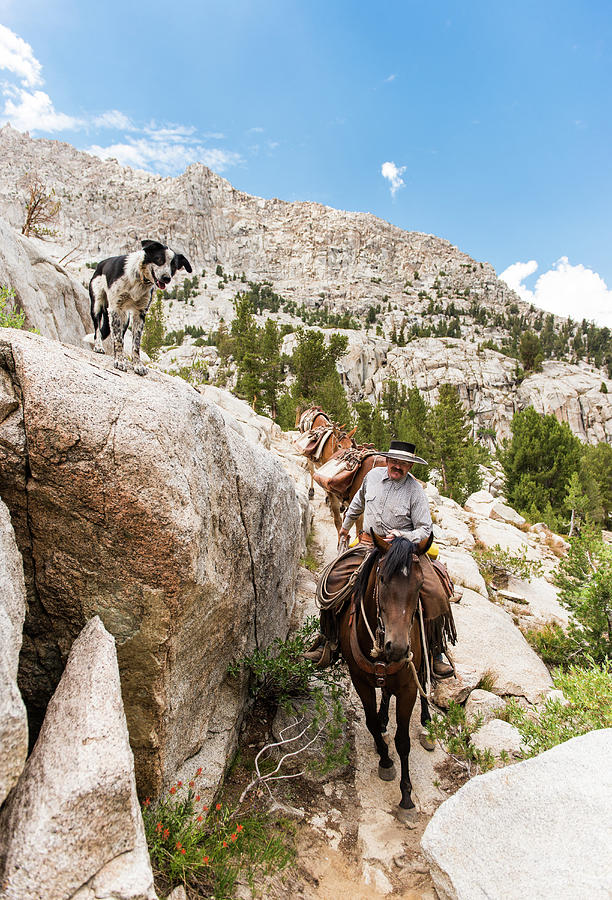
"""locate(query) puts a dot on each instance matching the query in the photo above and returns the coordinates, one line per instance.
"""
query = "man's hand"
(343, 540)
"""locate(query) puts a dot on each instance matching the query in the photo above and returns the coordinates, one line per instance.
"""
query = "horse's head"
(398, 582)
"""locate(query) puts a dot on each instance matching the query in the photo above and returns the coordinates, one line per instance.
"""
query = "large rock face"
(74, 815)
(53, 301)
(539, 829)
(13, 720)
(132, 500)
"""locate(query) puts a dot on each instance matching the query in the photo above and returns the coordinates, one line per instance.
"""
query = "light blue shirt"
(389, 506)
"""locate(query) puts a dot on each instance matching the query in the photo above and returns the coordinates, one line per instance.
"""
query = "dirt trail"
(350, 843)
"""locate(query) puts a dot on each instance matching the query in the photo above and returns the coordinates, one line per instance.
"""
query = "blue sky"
(485, 123)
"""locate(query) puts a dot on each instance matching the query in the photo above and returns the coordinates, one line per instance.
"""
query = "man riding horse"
(393, 504)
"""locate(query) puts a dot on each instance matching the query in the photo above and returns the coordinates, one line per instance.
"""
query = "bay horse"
(327, 438)
(380, 641)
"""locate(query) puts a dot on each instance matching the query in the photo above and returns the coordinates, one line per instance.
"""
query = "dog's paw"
(98, 349)
(140, 369)
(121, 365)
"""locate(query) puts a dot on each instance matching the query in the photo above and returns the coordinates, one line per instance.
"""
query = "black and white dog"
(124, 284)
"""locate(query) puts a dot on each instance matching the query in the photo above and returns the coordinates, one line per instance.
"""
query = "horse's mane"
(398, 557)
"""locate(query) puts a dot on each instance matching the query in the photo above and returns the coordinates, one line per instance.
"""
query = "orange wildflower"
(205, 808)
(218, 807)
(147, 802)
(192, 784)
(183, 850)
(158, 827)
(200, 818)
(166, 833)
(199, 772)
(240, 828)
(198, 797)
(173, 790)
(178, 845)
(205, 860)
(234, 836)
(225, 843)
(179, 783)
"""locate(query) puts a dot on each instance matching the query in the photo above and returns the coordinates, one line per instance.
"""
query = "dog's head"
(163, 262)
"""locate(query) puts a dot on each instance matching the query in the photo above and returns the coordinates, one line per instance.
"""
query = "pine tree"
(314, 360)
(530, 352)
(453, 451)
(380, 430)
(538, 463)
(584, 577)
(597, 465)
(364, 411)
(271, 367)
(413, 426)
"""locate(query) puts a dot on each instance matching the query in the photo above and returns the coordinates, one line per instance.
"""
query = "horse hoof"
(386, 774)
(311, 494)
(408, 817)
(425, 742)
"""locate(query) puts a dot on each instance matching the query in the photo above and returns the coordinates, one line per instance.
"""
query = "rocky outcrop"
(484, 704)
(72, 827)
(498, 737)
(487, 384)
(13, 720)
(54, 302)
(538, 829)
(133, 500)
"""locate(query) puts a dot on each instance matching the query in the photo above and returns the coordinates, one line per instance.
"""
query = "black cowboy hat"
(404, 452)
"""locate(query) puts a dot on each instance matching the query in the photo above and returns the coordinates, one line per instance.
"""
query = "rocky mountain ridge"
(304, 248)
(452, 313)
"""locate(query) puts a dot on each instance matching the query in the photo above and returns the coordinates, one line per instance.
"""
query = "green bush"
(584, 579)
(280, 672)
(453, 732)
(10, 315)
(281, 675)
(588, 693)
(494, 562)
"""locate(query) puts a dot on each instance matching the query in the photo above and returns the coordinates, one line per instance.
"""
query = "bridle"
(379, 668)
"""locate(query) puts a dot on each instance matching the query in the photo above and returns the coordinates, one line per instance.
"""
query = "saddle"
(338, 474)
(312, 442)
(308, 417)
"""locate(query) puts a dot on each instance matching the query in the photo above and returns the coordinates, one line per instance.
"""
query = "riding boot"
(442, 669)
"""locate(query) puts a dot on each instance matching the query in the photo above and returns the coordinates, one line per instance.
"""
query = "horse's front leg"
(404, 705)
(367, 695)
(383, 710)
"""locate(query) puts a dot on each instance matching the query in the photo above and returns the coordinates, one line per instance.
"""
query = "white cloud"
(34, 111)
(517, 273)
(393, 174)
(564, 289)
(390, 78)
(16, 56)
(113, 118)
(166, 157)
